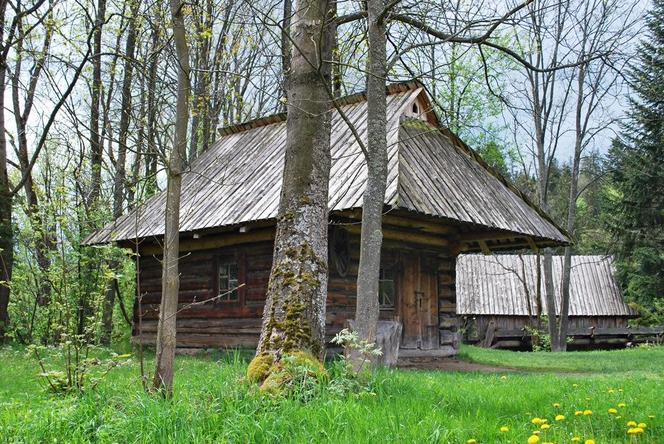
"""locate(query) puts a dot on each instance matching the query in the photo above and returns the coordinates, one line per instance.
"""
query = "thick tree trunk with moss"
(367, 308)
(166, 330)
(294, 315)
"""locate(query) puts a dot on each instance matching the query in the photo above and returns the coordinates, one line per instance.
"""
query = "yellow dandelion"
(560, 417)
(635, 431)
(471, 441)
(576, 439)
(544, 420)
(575, 385)
(613, 411)
(545, 426)
(534, 439)
(618, 417)
(620, 390)
(587, 412)
(504, 429)
(622, 405)
(536, 432)
(642, 425)
(556, 405)
(503, 377)
(547, 442)
(631, 423)
(611, 391)
(537, 421)
(578, 413)
(589, 441)
(651, 416)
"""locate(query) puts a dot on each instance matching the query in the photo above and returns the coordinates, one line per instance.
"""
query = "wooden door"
(419, 303)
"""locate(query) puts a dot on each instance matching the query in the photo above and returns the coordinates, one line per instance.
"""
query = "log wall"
(237, 324)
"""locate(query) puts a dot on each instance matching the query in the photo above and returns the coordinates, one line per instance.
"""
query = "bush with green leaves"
(74, 366)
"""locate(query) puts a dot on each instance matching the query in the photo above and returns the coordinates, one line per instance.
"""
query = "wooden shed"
(497, 298)
(441, 199)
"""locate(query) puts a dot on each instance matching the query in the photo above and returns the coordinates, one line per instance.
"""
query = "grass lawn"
(212, 404)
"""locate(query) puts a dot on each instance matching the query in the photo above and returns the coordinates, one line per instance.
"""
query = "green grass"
(634, 360)
(213, 405)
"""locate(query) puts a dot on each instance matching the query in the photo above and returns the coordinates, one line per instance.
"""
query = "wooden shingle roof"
(430, 171)
(502, 284)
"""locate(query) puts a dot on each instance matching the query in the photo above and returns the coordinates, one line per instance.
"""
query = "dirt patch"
(451, 365)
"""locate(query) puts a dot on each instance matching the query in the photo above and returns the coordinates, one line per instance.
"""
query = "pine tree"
(636, 195)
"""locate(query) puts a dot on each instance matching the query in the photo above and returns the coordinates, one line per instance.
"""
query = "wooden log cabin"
(442, 199)
(498, 301)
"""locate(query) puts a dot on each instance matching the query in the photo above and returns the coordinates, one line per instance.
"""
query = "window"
(386, 289)
(228, 282)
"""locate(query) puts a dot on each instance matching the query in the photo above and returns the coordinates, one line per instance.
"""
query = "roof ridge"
(393, 88)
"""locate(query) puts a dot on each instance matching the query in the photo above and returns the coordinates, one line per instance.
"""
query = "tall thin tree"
(166, 331)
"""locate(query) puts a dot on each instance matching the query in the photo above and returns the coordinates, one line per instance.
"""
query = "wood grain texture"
(429, 271)
(431, 172)
(502, 284)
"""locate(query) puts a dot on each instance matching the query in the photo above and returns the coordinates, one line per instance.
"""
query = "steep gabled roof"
(503, 284)
(430, 172)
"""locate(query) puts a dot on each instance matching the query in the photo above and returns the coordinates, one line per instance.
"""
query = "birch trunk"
(294, 315)
(367, 308)
(166, 330)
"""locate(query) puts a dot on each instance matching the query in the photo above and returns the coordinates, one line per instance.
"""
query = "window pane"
(228, 280)
(386, 289)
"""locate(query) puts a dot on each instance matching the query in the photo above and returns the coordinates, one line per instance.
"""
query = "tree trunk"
(571, 212)
(549, 295)
(547, 262)
(96, 151)
(6, 232)
(294, 315)
(367, 308)
(44, 241)
(151, 155)
(95, 103)
(285, 51)
(166, 330)
(120, 179)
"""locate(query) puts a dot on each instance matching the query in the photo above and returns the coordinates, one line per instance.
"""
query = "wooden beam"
(215, 241)
(476, 236)
(485, 248)
(406, 236)
(531, 243)
(405, 222)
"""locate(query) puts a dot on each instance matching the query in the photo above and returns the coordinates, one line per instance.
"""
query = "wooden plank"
(219, 241)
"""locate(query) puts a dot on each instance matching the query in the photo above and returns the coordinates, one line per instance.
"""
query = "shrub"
(79, 370)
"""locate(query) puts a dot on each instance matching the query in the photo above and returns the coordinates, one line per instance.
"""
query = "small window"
(416, 109)
(228, 282)
(386, 289)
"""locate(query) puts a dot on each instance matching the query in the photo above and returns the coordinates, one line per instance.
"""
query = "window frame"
(229, 260)
(393, 278)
